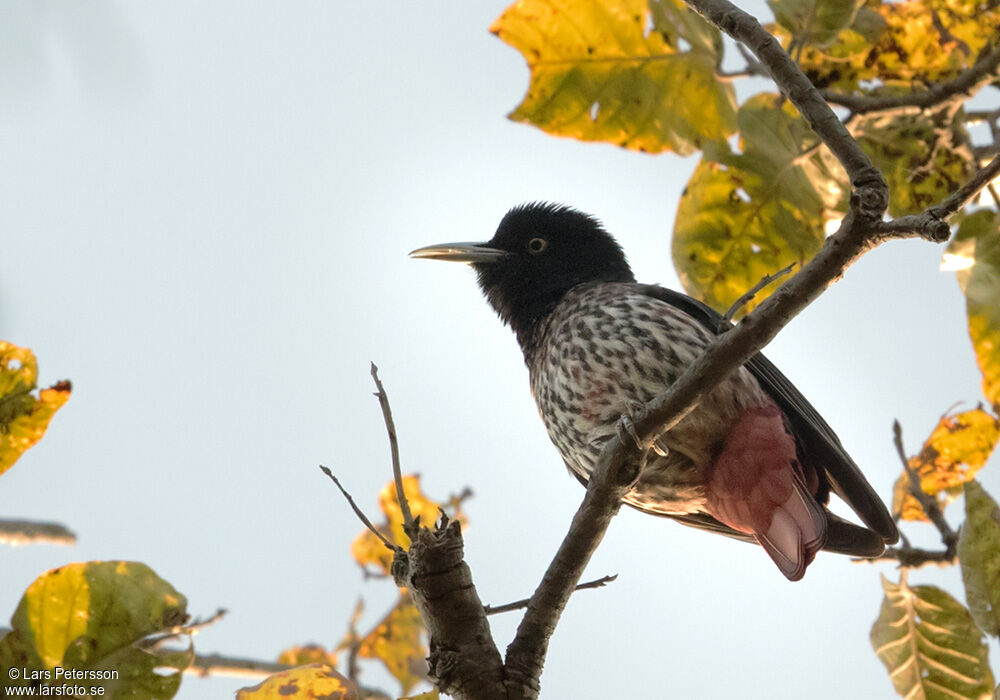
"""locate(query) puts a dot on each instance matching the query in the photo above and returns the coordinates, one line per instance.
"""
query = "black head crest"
(550, 248)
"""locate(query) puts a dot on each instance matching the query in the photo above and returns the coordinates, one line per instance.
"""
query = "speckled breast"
(607, 345)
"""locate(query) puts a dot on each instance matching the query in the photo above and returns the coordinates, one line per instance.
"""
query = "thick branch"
(965, 84)
(464, 661)
(915, 557)
(21, 532)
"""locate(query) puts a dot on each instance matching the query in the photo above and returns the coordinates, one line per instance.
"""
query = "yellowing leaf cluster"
(601, 71)
(23, 416)
(367, 549)
(957, 448)
(924, 157)
(906, 43)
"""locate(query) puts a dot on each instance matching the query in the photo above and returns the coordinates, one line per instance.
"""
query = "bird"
(753, 460)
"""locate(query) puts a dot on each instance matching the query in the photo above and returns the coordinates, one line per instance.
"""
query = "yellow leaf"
(909, 508)
(312, 682)
(430, 695)
(599, 72)
(956, 450)
(902, 47)
(23, 417)
(396, 642)
(307, 654)
(367, 549)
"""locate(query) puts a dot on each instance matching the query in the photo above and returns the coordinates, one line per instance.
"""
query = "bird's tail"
(756, 487)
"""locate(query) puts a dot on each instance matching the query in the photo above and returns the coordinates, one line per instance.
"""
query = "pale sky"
(206, 213)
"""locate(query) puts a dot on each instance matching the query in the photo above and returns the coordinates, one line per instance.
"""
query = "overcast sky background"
(206, 210)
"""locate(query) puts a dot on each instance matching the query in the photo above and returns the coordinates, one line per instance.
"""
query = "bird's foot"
(635, 411)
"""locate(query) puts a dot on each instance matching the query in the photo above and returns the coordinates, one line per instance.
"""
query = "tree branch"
(464, 661)
(21, 532)
(965, 83)
(358, 512)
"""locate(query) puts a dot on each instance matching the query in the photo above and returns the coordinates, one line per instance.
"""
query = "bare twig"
(197, 625)
(994, 194)
(927, 502)
(390, 426)
(205, 665)
(745, 299)
(358, 511)
(22, 532)
(964, 84)
(523, 603)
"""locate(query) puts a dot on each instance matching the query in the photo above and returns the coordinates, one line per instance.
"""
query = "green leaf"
(930, 645)
(979, 554)
(924, 157)
(94, 616)
(302, 683)
(677, 23)
(23, 416)
(814, 21)
(597, 74)
(753, 213)
(975, 255)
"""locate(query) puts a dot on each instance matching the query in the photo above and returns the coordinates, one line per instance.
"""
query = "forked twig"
(523, 603)
(357, 511)
(390, 426)
(752, 292)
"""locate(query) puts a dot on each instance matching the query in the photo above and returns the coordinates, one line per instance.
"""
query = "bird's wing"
(818, 438)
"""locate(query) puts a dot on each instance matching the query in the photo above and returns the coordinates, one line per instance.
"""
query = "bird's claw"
(635, 411)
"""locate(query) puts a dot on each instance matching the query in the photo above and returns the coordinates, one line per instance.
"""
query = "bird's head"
(539, 252)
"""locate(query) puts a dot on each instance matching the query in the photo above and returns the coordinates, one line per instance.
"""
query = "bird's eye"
(537, 245)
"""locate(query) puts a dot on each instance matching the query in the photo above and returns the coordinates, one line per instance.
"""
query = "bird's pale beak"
(460, 252)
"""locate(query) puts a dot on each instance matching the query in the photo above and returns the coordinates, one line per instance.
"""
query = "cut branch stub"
(464, 662)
